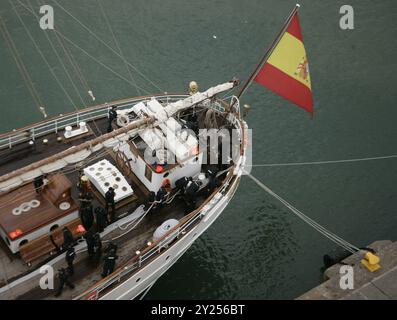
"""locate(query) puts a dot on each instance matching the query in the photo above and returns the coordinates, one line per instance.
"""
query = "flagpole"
(269, 51)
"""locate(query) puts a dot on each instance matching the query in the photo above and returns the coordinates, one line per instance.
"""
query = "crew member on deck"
(63, 276)
(67, 238)
(161, 196)
(97, 247)
(89, 238)
(39, 182)
(181, 183)
(213, 183)
(85, 198)
(87, 215)
(109, 197)
(111, 247)
(112, 116)
(191, 194)
(110, 262)
(101, 219)
(69, 257)
(83, 184)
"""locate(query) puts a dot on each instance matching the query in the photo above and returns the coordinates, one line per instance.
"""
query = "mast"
(269, 51)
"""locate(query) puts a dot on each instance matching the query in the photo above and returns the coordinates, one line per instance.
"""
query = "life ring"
(34, 203)
(25, 207)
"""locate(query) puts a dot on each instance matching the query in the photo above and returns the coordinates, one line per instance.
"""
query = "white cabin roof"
(168, 134)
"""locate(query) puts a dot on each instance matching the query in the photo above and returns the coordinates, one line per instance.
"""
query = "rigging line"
(61, 62)
(63, 66)
(95, 59)
(40, 52)
(76, 66)
(14, 52)
(331, 236)
(109, 47)
(21, 66)
(81, 49)
(17, 62)
(117, 44)
(323, 162)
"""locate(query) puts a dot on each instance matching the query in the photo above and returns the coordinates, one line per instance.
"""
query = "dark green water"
(256, 249)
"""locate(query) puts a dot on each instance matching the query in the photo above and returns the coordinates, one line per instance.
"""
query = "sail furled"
(286, 71)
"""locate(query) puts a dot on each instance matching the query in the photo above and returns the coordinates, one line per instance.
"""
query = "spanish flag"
(286, 71)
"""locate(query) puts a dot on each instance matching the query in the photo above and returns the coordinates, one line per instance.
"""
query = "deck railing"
(54, 125)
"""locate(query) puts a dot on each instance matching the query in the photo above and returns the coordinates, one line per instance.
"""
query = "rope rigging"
(40, 51)
(65, 38)
(108, 46)
(118, 46)
(21, 67)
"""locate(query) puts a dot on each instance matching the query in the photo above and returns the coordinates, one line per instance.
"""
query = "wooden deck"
(13, 267)
(33, 218)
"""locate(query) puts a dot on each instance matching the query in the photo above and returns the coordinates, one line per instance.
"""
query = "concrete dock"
(378, 285)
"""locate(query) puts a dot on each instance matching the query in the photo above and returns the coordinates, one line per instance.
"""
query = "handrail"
(55, 124)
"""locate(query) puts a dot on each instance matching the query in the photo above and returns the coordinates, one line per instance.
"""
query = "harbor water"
(257, 249)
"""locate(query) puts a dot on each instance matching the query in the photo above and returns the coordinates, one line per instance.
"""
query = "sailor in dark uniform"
(85, 198)
(87, 216)
(161, 196)
(191, 194)
(63, 276)
(110, 262)
(89, 238)
(150, 199)
(69, 257)
(67, 238)
(112, 116)
(181, 183)
(213, 181)
(101, 219)
(109, 197)
(97, 247)
(39, 183)
(110, 247)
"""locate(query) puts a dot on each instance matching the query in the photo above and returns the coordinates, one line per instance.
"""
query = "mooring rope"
(328, 234)
(322, 162)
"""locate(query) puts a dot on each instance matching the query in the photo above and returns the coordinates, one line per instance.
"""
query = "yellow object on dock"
(371, 262)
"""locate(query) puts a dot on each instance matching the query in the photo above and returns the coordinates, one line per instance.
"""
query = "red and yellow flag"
(286, 72)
